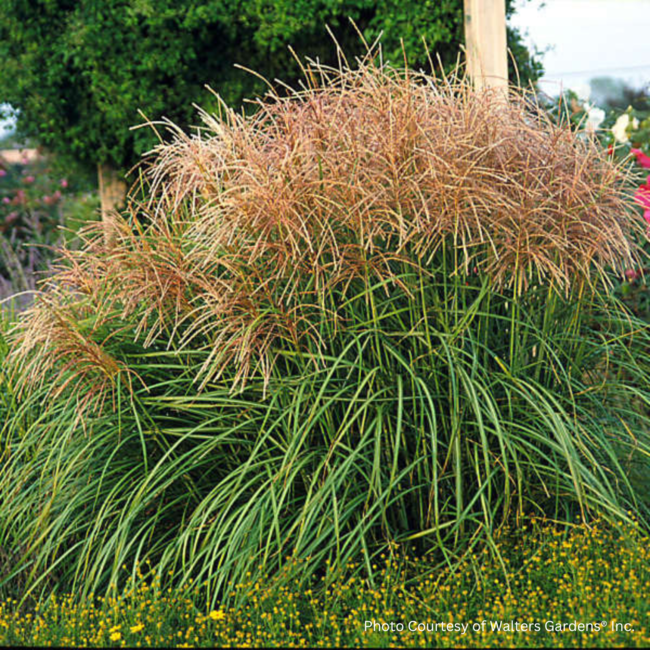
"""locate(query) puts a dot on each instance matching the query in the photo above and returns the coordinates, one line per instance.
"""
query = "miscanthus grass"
(552, 587)
(374, 312)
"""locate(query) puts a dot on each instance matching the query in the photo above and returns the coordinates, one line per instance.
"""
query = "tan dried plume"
(365, 168)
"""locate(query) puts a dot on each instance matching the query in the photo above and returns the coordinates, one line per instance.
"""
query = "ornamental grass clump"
(373, 312)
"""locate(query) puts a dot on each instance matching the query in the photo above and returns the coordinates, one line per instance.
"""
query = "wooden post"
(485, 43)
(112, 193)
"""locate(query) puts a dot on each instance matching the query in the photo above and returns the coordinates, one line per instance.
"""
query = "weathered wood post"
(485, 43)
(112, 194)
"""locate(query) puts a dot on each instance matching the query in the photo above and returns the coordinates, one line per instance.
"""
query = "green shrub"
(373, 313)
(76, 76)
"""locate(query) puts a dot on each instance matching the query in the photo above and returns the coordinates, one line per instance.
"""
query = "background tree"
(78, 70)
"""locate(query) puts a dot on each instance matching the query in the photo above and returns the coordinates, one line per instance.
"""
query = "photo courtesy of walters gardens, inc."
(496, 626)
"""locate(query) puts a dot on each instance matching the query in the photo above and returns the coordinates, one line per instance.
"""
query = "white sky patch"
(589, 38)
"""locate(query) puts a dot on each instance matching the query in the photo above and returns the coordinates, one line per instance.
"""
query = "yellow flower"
(217, 615)
(116, 636)
(137, 628)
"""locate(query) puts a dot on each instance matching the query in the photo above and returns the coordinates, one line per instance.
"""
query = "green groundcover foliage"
(79, 72)
(548, 587)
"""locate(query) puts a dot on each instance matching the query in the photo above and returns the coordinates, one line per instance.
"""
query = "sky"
(588, 38)
(5, 125)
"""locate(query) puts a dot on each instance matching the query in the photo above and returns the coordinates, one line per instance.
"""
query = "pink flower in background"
(631, 275)
(6, 200)
(2, 173)
(64, 183)
(641, 158)
(642, 197)
(51, 200)
(29, 179)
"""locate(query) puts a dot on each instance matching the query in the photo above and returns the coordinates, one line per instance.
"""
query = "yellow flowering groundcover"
(539, 586)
